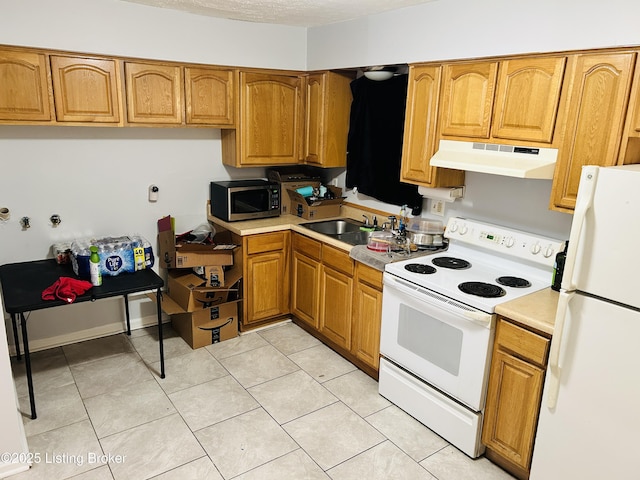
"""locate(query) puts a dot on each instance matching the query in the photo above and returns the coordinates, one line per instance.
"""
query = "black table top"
(24, 282)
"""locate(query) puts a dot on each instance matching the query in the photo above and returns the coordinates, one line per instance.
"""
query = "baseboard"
(89, 334)
(8, 469)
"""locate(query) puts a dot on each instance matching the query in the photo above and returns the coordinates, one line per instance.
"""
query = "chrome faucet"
(367, 222)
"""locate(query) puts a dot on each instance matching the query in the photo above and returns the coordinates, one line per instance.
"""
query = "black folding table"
(24, 282)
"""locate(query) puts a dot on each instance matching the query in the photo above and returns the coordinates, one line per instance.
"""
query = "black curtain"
(374, 147)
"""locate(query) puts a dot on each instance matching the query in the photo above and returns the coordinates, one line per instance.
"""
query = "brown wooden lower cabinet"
(266, 277)
(336, 288)
(305, 279)
(513, 399)
(367, 315)
(337, 300)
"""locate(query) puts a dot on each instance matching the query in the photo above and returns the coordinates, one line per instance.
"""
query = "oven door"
(443, 342)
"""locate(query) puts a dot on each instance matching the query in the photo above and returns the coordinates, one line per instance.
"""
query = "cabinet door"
(367, 316)
(314, 118)
(265, 279)
(305, 285)
(597, 108)
(527, 99)
(420, 141)
(154, 93)
(24, 87)
(513, 398)
(513, 404)
(270, 130)
(209, 96)
(335, 307)
(86, 89)
(467, 99)
(328, 107)
(266, 276)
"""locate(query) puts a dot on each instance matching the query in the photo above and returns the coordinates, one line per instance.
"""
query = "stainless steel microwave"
(235, 200)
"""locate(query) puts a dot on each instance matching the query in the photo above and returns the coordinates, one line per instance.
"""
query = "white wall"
(126, 29)
(458, 29)
(97, 178)
(13, 439)
(452, 29)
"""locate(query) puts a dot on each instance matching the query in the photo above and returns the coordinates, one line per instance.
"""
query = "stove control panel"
(511, 242)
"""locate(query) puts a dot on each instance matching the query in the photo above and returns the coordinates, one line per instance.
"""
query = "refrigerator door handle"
(584, 202)
(555, 353)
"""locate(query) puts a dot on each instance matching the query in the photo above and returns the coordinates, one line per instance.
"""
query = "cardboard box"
(208, 326)
(285, 199)
(191, 293)
(214, 275)
(318, 209)
(290, 178)
(188, 255)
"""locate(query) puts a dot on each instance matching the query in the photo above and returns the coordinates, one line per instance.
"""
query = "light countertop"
(292, 222)
(537, 310)
(275, 224)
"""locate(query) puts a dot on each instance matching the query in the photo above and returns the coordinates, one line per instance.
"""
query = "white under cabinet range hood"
(507, 160)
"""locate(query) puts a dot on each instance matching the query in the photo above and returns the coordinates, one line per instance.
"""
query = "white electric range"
(438, 322)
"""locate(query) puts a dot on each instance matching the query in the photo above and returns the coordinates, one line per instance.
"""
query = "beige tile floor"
(273, 404)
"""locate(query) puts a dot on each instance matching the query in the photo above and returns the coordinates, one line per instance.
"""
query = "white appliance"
(438, 322)
(589, 426)
(13, 443)
(496, 159)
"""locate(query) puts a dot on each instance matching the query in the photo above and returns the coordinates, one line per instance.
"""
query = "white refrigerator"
(589, 425)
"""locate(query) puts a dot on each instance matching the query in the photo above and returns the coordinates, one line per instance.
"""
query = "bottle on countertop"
(94, 267)
(558, 268)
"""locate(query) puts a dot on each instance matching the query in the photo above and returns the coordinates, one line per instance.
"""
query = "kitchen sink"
(343, 229)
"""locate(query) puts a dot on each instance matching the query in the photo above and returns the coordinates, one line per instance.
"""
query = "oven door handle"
(483, 319)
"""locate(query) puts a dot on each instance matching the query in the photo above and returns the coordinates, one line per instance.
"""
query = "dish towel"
(66, 289)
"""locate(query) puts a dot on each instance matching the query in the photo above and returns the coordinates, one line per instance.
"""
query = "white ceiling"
(305, 13)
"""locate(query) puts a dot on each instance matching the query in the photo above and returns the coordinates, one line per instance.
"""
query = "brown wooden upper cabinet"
(598, 98)
(467, 99)
(154, 93)
(210, 96)
(270, 124)
(328, 107)
(527, 99)
(24, 87)
(86, 89)
(523, 109)
(420, 139)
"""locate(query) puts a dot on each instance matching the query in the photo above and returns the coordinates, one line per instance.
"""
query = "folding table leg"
(160, 341)
(27, 362)
(126, 309)
(15, 335)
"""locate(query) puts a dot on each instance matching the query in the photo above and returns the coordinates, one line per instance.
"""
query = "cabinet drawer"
(307, 246)
(337, 259)
(523, 343)
(267, 242)
(369, 275)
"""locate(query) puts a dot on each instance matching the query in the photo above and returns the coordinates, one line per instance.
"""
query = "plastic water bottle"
(94, 267)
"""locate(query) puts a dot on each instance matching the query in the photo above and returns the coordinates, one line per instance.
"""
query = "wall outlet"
(437, 207)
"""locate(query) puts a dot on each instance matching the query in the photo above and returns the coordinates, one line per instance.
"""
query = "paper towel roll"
(446, 194)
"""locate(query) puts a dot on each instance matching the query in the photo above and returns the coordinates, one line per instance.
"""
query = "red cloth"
(66, 288)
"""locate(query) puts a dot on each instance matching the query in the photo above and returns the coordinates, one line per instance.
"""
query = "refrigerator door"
(602, 257)
(592, 432)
